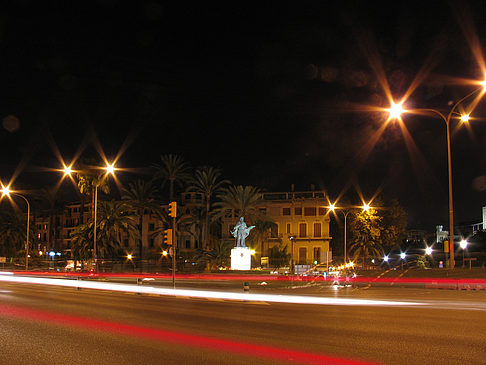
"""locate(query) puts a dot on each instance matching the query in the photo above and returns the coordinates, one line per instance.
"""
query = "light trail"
(175, 337)
(273, 298)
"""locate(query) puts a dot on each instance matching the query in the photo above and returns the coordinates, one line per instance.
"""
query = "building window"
(125, 242)
(317, 230)
(302, 230)
(298, 211)
(188, 244)
(310, 211)
(289, 228)
(322, 211)
(151, 227)
(285, 211)
(302, 256)
(151, 242)
(263, 211)
(228, 213)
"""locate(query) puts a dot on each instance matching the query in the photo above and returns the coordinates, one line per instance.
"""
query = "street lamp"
(110, 169)
(6, 191)
(395, 112)
(346, 211)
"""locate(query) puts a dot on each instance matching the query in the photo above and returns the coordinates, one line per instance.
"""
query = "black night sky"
(269, 92)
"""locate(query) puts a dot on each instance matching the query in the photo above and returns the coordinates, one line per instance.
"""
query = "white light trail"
(274, 298)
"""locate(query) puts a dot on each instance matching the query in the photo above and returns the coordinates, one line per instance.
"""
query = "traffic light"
(167, 236)
(173, 209)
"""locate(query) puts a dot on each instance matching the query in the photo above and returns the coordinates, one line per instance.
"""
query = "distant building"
(302, 224)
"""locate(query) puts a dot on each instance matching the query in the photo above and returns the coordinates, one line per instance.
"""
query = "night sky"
(271, 93)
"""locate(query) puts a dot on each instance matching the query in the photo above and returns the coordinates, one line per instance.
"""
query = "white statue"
(240, 232)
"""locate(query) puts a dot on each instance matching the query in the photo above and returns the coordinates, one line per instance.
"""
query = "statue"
(240, 232)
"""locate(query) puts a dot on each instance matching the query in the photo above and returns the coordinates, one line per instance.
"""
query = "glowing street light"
(386, 258)
(403, 255)
(110, 169)
(428, 251)
(346, 211)
(395, 111)
(6, 191)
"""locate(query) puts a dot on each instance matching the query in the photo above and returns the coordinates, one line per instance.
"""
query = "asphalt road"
(42, 324)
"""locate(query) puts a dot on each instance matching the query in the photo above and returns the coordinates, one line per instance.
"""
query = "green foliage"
(244, 200)
(422, 262)
(278, 256)
(12, 233)
(367, 229)
(394, 225)
(217, 255)
(115, 221)
(207, 181)
(172, 170)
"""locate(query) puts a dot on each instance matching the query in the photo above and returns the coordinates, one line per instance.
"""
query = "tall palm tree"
(206, 181)
(141, 196)
(172, 169)
(115, 222)
(245, 200)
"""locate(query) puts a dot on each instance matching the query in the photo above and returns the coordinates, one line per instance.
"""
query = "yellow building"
(302, 224)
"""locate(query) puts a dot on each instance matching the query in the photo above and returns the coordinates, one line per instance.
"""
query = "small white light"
(402, 255)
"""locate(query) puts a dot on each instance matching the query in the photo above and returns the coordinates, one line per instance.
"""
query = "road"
(44, 324)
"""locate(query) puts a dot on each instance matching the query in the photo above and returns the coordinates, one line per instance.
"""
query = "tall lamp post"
(6, 191)
(346, 211)
(109, 169)
(395, 112)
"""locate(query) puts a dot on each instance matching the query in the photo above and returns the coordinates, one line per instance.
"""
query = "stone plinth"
(240, 258)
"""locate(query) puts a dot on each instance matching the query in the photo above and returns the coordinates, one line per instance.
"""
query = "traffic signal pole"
(173, 214)
(174, 246)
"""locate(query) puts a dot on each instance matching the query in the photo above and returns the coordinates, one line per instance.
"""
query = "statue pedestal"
(240, 258)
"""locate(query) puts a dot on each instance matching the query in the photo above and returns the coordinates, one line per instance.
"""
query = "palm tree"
(172, 169)
(141, 196)
(12, 233)
(116, 221)
(262, 232)
(207, 182)
(218, 255)
(82, 236)
(244, 200)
